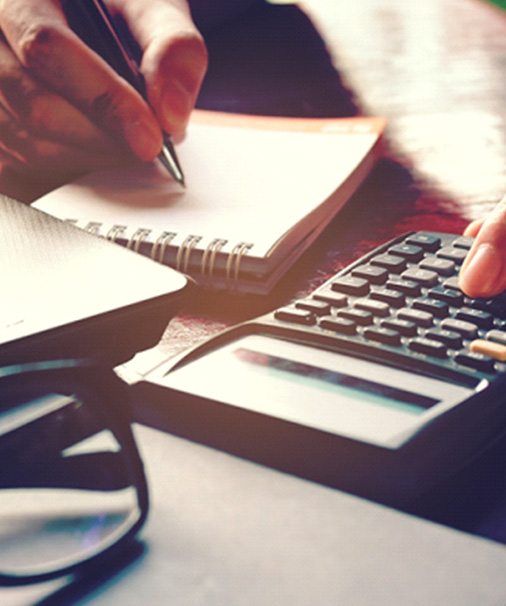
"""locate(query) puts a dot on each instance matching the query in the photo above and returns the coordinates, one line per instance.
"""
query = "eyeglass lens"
(65, 489)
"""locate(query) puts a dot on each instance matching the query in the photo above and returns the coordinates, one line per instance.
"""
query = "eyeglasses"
(72, 484)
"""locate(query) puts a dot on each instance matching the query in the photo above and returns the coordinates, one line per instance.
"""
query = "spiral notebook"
(260, 190)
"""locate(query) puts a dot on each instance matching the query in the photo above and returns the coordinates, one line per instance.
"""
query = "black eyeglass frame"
(99, 387)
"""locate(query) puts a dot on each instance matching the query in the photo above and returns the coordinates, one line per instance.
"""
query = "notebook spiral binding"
(184, 250)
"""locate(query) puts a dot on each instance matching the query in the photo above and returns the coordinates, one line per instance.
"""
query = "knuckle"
(37, 42)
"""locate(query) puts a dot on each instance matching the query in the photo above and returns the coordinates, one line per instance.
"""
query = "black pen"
(91, 20)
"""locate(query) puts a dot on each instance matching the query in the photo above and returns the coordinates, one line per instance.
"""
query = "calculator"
(384, 381)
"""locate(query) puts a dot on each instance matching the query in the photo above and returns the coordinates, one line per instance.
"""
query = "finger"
(30, 106)
(38, 34)
(174, 57)
(34, 159)
(483, 273)
(473, 228)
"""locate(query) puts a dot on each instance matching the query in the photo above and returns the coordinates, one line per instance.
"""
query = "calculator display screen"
(313, 387)
(337, 382)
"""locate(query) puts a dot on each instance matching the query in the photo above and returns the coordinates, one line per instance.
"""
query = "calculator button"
(450, 338)
(448, 295)
(482, 319)
(334, 298)
(392, 297)
(419, 317)
(463, 242)
(407, 287)
(478, 361)
(489, 348)
(453, 254)
(404, 327)
(342, 325)
(428, 347)
(433, 306)
(425, 277)
(382, 335)
(442, 267)
(428, 242)
(498, 336)
(320, 308)
(298, 316)
(375, 275)
(483, 304)
(377, 308)
(411, 253)
(452, 283)
(351, 286)
(360, 316)
(393, 263)
(467, 329)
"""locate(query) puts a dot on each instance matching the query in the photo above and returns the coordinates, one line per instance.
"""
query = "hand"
(64, 111)
(483, 273)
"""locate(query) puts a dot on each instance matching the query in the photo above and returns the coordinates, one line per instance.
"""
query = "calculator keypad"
(403, 299)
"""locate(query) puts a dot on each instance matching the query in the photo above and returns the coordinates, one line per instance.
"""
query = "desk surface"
(228, 532)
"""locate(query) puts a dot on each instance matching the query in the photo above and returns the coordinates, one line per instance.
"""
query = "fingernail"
(481, 272)
(143, 139)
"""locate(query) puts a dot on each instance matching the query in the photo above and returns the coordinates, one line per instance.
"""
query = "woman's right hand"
(64, 111)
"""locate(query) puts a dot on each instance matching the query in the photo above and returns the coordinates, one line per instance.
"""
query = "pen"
(93, 23)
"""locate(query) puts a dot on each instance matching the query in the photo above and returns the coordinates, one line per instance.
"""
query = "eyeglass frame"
(54, 376)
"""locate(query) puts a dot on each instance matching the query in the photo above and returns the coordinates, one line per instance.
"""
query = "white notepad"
(259, 191)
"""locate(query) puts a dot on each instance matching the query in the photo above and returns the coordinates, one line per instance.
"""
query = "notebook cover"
(68, 293)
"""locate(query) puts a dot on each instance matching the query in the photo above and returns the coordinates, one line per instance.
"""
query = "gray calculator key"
(443, 267)
(498, 336)
(433, 306)
(448, 295)
(386, 336)
(351, 286)
(428, 347)
(390, 296)
(341, 325)
(320, 308)
(453, 254)
(450, 338)
(424, 277)
(452, 283)
(360, 316)
(419, 317)
(377, 308)
(375, 275)
(297, 316)
(467, 329)
(463, 242)
(393, 263)
(428, 242)
(334, 298)
(477, 361)
(407, 287)
(481, 318)
(411, 253)
(404, 327)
